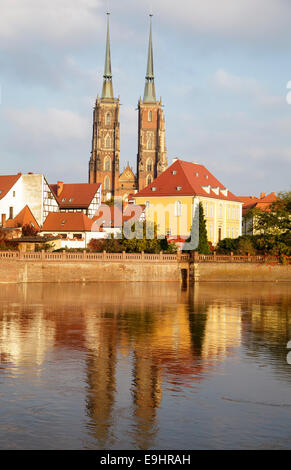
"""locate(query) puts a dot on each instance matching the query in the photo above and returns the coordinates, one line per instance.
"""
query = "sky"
(223, 70)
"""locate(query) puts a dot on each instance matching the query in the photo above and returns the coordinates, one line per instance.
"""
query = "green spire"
(149, 89)
(107, 90)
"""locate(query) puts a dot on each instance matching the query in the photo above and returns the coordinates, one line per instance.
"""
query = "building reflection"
(168, 338)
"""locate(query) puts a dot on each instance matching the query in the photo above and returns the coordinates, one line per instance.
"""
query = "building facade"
(172, 201)
(32, 190)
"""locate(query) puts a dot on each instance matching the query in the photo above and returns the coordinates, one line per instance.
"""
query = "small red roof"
(23, 218)
(6, 183)
(77, 195)
(263, 202)
(67, 222)
(187, 179)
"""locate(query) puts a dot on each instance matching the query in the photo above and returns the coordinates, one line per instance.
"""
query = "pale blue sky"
(221, 69)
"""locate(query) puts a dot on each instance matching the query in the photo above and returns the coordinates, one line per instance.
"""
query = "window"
(78, 236)
(206, 209)
(71, 199)
(107, 164)
(149, 180)
(150, 116)
(149, 164)
(220, 211)
(179, 188)
(178, 208)
(228, 212)
(13, 193)
(174, 172)
(228, 232)
(148, 207)
(107, 142)
(10, 212)
(154, 188)
(210, 231)
(232, 233)
(108, 119)
(196, 174)
(107, 183)
(233, 213)
(150, 143)
(206, 176)
(211, 210)
(63, 222)
(64, 199)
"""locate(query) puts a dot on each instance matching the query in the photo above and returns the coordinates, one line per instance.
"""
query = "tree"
(29, 230)
(203, 245)
(276, 221)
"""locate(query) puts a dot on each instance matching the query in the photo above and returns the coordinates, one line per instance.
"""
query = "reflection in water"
(132, 357)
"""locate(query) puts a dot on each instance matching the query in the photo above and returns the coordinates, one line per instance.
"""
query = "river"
(145, 366)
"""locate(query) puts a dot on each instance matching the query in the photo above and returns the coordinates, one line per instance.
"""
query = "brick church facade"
(104, 164)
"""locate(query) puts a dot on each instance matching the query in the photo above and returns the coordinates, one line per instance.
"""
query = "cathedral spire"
(107, 90)
(149, 89)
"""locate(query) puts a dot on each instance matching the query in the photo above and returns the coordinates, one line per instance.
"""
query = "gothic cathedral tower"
(152, 153)
(104, 161)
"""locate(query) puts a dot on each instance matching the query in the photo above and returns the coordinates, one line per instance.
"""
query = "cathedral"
(105, 154)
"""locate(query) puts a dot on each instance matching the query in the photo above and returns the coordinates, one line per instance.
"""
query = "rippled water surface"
(142, 366)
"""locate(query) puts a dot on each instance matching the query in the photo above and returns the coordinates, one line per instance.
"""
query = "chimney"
(60, 187)
(262, 195)
(3, 220)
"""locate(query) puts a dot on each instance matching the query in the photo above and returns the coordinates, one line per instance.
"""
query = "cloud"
(55, 20)
(44, 130)
(244, 19)
(246, 86)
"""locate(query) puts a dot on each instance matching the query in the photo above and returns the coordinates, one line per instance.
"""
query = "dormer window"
(63, 222)
(64, 199)
(206, 188)
(154, 188)
(174, 172)
(196, 174)
(179, 188)
(206, 176)
(71, 199)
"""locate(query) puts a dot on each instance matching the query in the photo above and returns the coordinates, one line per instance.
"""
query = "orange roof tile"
(263, 202)
(186, 179)
(24, 217)
(77, 195)
(67, 222)
(7, 182)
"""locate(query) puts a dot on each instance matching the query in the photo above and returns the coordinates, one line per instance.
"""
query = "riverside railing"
(137, 257)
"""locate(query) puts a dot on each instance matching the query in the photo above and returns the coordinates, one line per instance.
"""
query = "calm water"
(141, 366)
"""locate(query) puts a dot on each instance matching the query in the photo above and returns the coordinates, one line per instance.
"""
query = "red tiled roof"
(191, 178)
(23, 218)
(67, 222)
(263, 202)
(78, 195)
(6, 183)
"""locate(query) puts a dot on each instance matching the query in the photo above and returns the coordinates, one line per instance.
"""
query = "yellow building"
(172, 201)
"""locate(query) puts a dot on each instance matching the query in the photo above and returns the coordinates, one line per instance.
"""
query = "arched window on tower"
(108, 119)
(107, 142)
(150, 143)
(107, 164)
(107, 183)
(150, 116)
(149, 164)
(149, 179)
